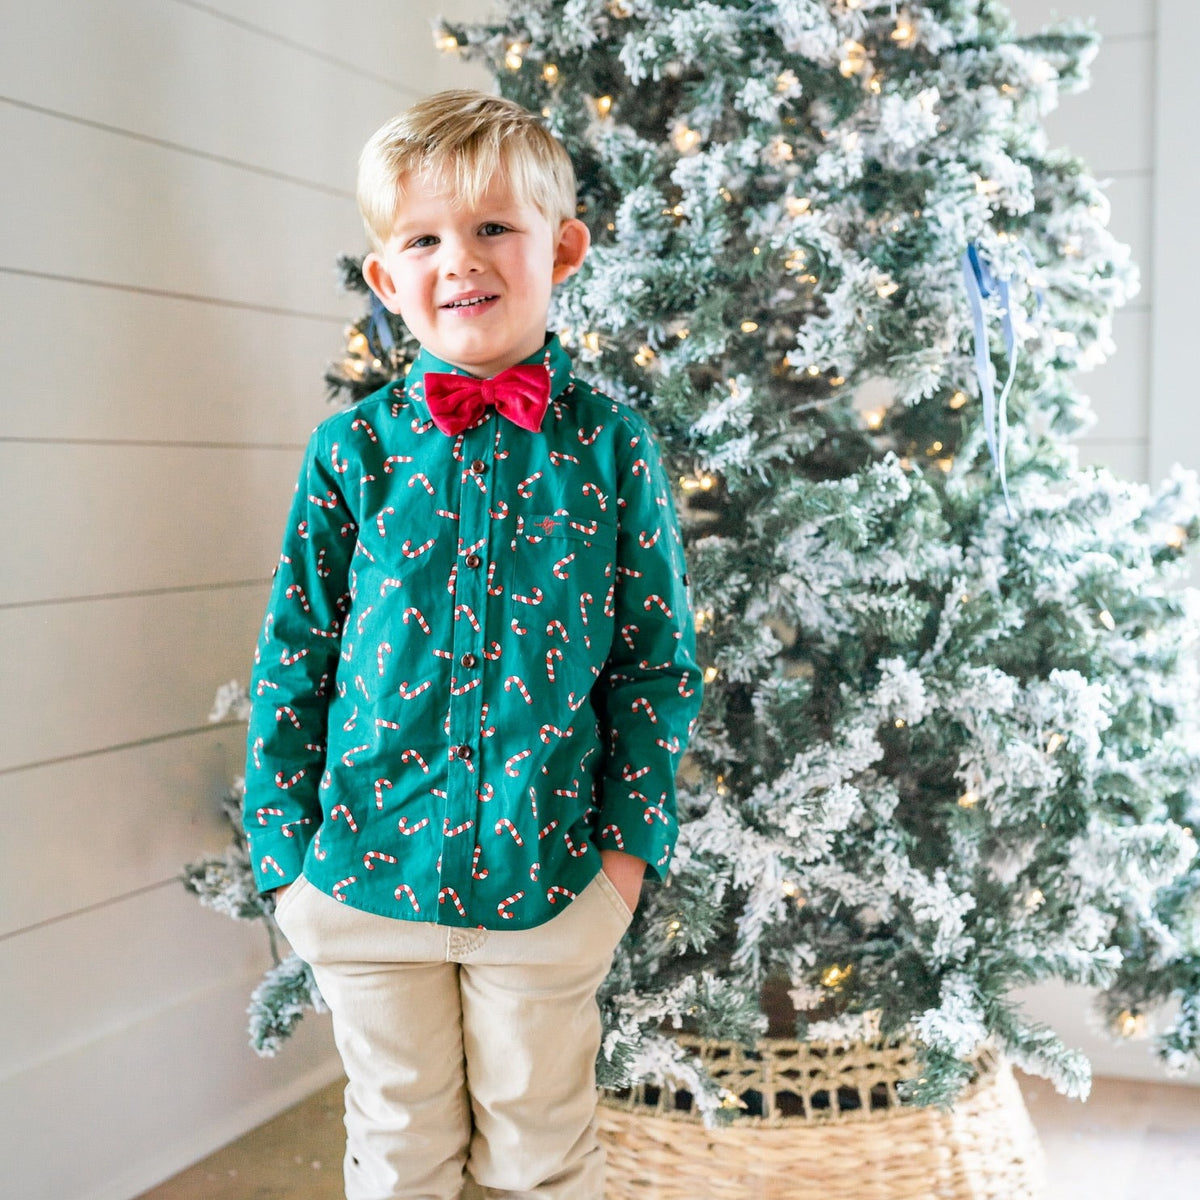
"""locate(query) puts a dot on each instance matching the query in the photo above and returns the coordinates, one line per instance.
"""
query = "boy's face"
(473, 284)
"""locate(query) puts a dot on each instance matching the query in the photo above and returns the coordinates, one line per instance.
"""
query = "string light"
(887, 288)
(1131, 1024)
(874, 417)
(644, 357)
(1035, 900)
(854, 58)
(515, 57)
(357, 343)
(749, 326)
(786, 82)
(619, 9)
(1106, 619)
(445, 41)
(958, 400)
(968, 799)
(685, 139)
(603, 106)
(837, 380)
(710, 673)
(900, 723)
(835, 976)
(1177, 537)
(1053, 742)
(591, 342)
(875, 83)
(550, 73)
(905, 33)
(797, 206)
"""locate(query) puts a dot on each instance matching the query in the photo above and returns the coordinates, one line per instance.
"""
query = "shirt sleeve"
(648, 695)
(295, 665)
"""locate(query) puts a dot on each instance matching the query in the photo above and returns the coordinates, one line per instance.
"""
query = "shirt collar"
(556, 359)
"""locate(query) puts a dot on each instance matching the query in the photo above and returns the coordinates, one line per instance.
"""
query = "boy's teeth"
(467, 303)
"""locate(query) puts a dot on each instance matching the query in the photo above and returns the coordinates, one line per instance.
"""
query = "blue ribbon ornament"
(982, 283)
(384, 342)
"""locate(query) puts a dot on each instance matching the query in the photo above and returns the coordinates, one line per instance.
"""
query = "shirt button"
(463, 751)
(472, 560)
(478, 467)
(468, 660)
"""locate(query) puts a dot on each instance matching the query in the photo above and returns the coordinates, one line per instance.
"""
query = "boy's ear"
(571, 249)
(379, 280)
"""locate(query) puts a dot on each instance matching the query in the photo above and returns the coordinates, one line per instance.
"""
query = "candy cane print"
(349, 528)
(386, 512)
(264, 813)
(573, 850)
(610, 610)
(548, 829)
(476, 873)
(412, 695)
(525, 487)
(557, 458)
(447, 832)
(358, 423)
(466, 608)
(510, 766)
(254, 749)
(491, 575)
(373, 856)
(322, 569)
(445, 512)
(283, 784)
(552, 654)
(646, 542)
(546, 730)
(296, 592)
(419, 617)
(556, 626)
(559, 568)
(288, 827)
(409, 552)
(671, 745)
(588, 438)
(641, 467)
(330, 500)
(341, 885)
(485, 793)
(591, 489)
(334, 630)
(423, 480)
(534, 868)
(655, 811)
(534, 597)
(517, 682)
(351, 721)
(290, 660)
(643, 703)
(504, 905)
(404, 827)
(362, 687)
(466, 687)
(485, 730)
(315, 747)
(630, 775)
(405, 890)
(359, 548)
(389, 583)
(319, 854)
(615, 832)
(410, 755)
(380, 784)
(302, 531)
(654, 598)
(269, 861)
(395, 458)
(342, 810)
(340, 466)
(505, 823)
(286, 710)
(553, 893)
(585, 598)
(381, 723)
(384, 648)
(500, 511)
(449, 891)
(326, 782)
(348, 757)
(517, 628)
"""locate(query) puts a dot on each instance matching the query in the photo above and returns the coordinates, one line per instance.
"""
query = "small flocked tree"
(951, 735)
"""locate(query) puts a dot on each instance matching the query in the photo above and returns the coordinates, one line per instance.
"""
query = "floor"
(1129, 1141)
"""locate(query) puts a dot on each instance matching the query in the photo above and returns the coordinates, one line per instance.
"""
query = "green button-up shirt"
(478, 662)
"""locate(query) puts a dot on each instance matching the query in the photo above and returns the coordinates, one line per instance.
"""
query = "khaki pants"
(465, 1049)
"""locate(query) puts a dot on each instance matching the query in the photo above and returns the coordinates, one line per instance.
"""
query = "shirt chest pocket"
(562, 574)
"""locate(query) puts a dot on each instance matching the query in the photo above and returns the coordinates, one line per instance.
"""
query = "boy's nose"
(460, 259)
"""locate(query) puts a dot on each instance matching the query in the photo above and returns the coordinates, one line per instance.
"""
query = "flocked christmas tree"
(951, 735)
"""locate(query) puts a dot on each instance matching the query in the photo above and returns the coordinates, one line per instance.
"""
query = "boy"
(475, 679)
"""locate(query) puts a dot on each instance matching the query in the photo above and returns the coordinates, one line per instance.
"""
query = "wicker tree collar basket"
(830, 1125)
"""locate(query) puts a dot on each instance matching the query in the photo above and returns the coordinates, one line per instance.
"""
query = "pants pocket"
(609, 890)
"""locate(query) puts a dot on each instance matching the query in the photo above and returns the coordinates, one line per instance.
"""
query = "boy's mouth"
(470, 301)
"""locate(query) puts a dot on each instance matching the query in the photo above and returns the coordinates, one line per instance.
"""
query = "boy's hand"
(626, 872)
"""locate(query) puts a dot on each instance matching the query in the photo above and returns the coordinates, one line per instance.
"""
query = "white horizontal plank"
(116, 1115)
(106, 826)
(87, 204)
(1114, 18)
(128, 960)
(99, 520)
(1119, 389)
(105, 673)
(389, 38)
(93, 362)
(1111, 125)
(172, 72)
(1126, 460)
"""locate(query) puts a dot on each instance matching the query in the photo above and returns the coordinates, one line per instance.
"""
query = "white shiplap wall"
(178, 184)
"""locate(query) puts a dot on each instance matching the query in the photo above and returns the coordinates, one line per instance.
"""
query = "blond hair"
(460, 141)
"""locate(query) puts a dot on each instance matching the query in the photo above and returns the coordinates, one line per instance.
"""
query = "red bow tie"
(521, 393)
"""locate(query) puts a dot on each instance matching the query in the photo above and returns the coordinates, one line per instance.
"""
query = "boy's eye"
(492, 228)
(426, 239)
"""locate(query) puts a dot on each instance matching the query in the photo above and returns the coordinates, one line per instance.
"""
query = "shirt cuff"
(631, 821)
(276, 860)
